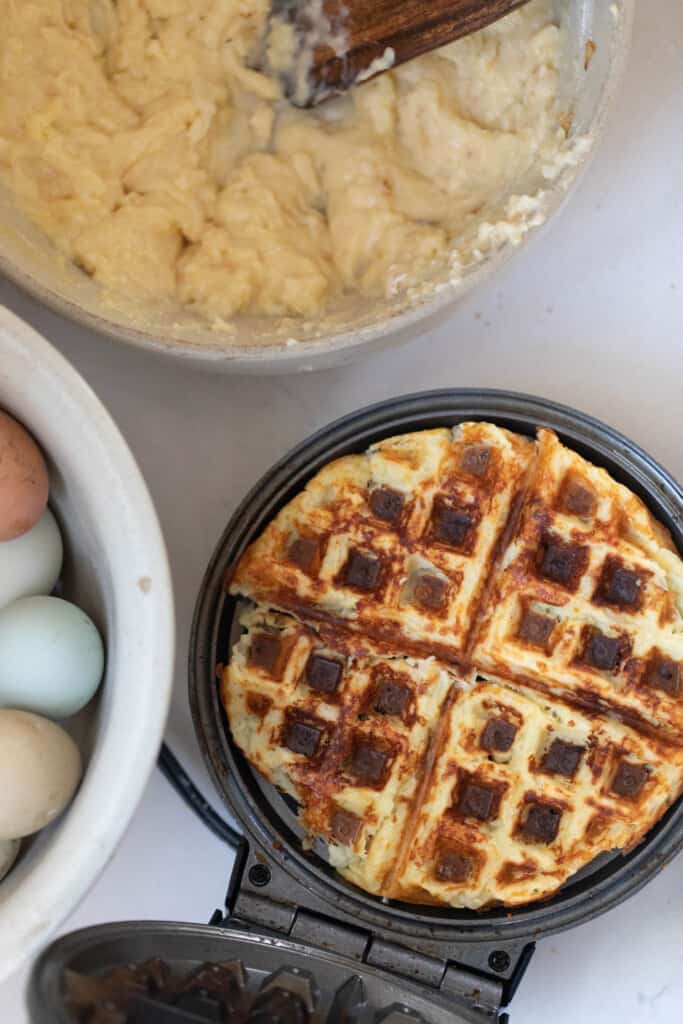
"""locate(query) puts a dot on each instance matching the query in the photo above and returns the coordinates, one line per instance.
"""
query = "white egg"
(9, 850)
(40, 767)
(31, 564)
(52, 657)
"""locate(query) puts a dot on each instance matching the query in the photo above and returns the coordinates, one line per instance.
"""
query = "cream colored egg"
(40, 768)
(24, 482)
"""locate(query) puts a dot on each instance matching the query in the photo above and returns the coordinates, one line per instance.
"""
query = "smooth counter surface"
(590, 315)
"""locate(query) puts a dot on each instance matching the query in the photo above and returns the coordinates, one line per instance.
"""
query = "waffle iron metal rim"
(596, 892)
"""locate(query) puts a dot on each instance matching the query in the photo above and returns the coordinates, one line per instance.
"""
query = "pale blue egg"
(31, 564)
(52, 657)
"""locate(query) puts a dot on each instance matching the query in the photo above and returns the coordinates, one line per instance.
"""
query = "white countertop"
(591, 314)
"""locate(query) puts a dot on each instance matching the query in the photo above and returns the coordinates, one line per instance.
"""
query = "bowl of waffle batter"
(156, 185)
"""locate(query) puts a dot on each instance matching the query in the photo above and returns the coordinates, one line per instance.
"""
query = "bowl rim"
(344, 345)
(122, 762)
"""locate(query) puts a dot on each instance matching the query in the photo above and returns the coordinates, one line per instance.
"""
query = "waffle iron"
(290, 919)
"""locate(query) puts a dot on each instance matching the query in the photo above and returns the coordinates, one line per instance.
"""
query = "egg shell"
(9, 851)
(40, 768)
(24, 482)
(31, 564)
(52, 657)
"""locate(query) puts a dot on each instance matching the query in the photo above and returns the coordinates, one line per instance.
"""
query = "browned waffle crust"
(464, 663)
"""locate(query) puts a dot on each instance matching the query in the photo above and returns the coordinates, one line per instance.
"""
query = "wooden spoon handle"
(378, 34)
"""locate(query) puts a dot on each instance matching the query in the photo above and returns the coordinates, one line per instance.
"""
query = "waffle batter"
(140, 137)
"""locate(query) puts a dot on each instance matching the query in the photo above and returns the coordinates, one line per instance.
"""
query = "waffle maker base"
(280, 885)
(290, 921)
(287, 909)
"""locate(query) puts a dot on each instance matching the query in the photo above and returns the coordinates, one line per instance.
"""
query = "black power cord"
(174, 772)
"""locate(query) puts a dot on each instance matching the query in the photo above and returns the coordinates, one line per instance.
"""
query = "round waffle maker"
(289, 915)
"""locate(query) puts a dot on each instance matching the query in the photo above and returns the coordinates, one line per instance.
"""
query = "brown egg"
(24, 481)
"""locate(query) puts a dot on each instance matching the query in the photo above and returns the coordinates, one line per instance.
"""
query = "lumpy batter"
(140, 137)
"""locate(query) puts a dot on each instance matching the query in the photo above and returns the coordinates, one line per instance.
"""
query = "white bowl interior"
(117, 570)
(259, 344)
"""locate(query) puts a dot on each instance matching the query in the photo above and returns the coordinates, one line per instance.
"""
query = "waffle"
(587, 602)
(397, 543)
(524, 793)
(341, 729)
(462, 657)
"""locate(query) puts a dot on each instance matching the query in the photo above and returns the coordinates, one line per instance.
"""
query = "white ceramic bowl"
(115, 568)
(356, 326)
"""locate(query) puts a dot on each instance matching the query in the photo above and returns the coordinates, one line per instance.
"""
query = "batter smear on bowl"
(144, 139)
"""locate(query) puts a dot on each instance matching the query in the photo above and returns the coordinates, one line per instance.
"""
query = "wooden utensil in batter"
(320, 48)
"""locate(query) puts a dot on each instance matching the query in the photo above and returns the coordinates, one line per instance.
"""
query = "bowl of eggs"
(86, 638)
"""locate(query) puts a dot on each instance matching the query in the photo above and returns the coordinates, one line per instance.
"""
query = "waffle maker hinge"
(262, 898)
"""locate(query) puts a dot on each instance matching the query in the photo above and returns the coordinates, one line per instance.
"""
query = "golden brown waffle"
(342, 730)
(523, 792)
(550, 727)
(396, 543)
(587, 602)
